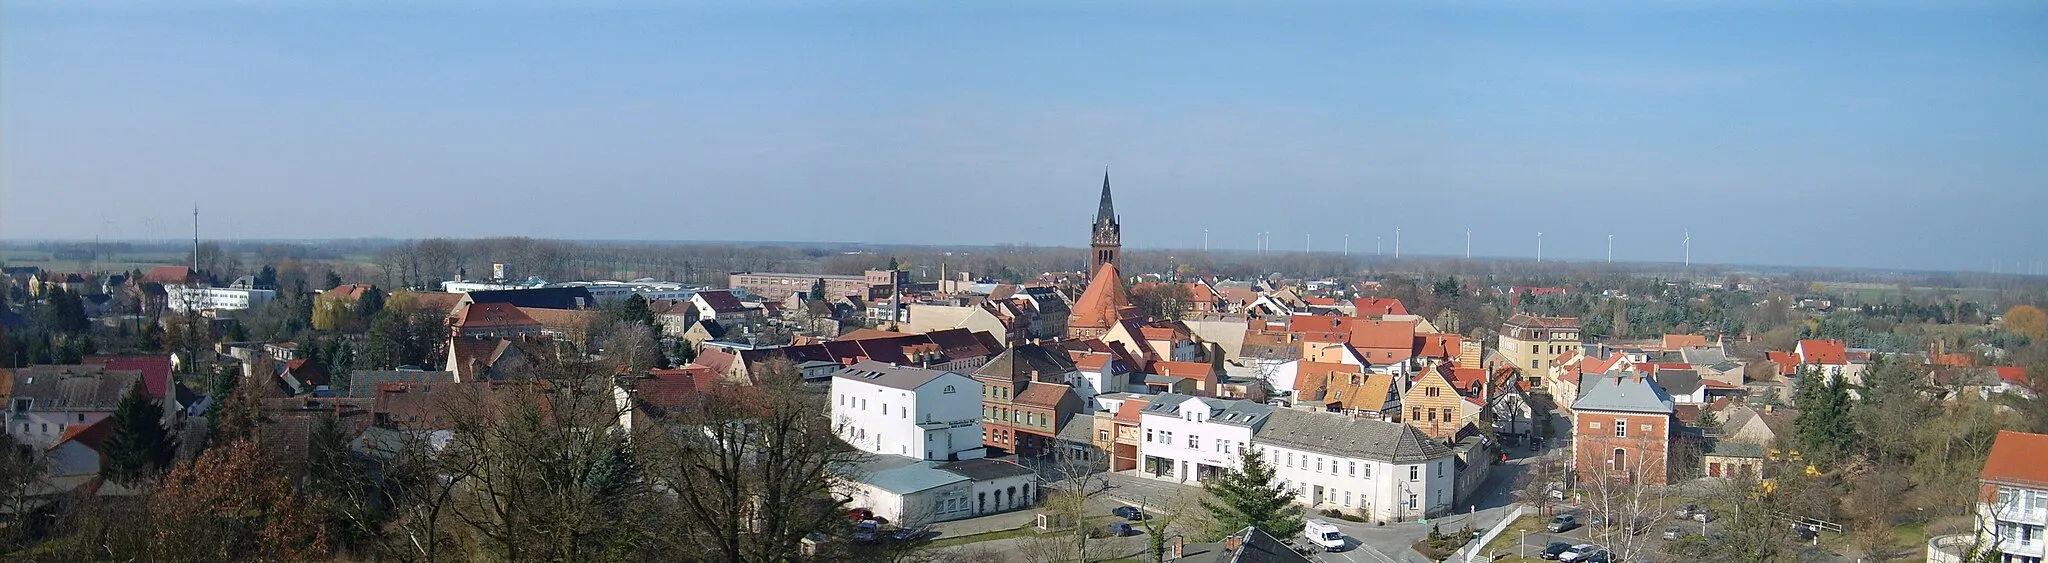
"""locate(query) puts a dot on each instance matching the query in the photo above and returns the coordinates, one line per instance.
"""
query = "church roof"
(1102, 304)
(1105, 214)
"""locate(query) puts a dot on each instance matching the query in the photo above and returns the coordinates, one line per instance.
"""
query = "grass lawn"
(978, 538)
(1505, 542)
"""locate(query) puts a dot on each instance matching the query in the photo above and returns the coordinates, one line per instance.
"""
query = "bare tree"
(1628, 506)
(1542, 483)
(752, 468)
(630, 348)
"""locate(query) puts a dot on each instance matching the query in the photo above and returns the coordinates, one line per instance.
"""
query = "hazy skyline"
(1899, 135)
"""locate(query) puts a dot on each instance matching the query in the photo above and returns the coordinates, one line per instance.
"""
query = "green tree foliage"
(371, 303)
(1248, 496)
(140, 444)
(333, 280)
(62, 312)
(818, 290)
(1825, 427)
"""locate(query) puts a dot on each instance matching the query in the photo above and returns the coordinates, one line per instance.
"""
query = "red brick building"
(1622, 428)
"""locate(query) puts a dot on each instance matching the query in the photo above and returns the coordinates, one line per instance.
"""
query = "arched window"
(949, 390)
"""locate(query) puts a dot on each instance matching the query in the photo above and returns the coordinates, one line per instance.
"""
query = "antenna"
(195, 237)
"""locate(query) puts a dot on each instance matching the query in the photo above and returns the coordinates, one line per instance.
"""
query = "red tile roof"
(2018, 458)
(1384, 334)
(1040, 394)
(868, 333)
(1787, 363)
(1185, 370)
(1372, 307)
(1310, 377)
(1103, 304)
(1825, 352)
(1128, 411)
(156, 372)
(2013, 375)
(488, 315)
(1438, 345)
(1672, 341)
(434, 301)
(89, 434)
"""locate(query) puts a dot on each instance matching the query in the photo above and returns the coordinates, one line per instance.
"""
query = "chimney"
(1230, 545)
(1180, 547)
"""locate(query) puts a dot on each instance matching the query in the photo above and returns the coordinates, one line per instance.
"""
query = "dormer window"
(23, 405)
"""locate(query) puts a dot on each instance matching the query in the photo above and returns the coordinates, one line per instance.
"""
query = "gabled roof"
(1675, 341)
(721, 301)
(90, 435)
(1617, 391)
(1254, 545)
(1311, 378)
(562, 319)
(156, 372)
(1386, 334)
(1824, 352)
(1438, 345)
(84, 388)
(2018, 458)
(432, 301)
(2013, 375)
(538, 297)
(886, 375)
(1348, 436)
(1129, 410)
(1047, 395)
(1024, 359)
(362, 384)
(1370, 307)
(1787, 363)
(1679, 381)
(492, 315)
(1104, 302)
(1185, 370)
(1525, 320)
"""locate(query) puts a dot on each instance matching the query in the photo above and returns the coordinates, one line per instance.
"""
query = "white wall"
(187, 298)
(885, 420)
(41, 429)
(1381, 485)
(1154, 433)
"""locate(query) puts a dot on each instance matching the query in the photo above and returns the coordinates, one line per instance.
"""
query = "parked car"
(1674, 533)
(1805, 533)
(1579, 553)
(1128, 513)
(1562, 522)
(864, 532)
(910, 533)
(1120, 529)
(859, 514)
(1687, 510)
(1702, 516)
(1553, 550)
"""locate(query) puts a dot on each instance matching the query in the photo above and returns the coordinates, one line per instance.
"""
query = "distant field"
(109, 263)
(1878, 292)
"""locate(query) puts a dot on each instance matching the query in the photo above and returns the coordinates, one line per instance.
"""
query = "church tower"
(1107, 242)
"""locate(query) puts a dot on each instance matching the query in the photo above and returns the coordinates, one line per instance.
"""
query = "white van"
(1323, 534)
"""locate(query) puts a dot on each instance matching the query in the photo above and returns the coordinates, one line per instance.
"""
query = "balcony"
(1949, 549)
(2037, 547)
(2018, 513)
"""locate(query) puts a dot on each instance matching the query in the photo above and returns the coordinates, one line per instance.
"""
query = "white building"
(47, 401)
(913, 412)
(2012, 505)
(911, 492)
(1391, 470)
(1188, 438)
(201, 298)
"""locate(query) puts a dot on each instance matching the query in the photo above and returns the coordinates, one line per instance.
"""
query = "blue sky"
(1907, 135)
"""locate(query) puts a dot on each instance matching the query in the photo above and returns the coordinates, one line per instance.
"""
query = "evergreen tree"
(333, 280)
(1825, 426)
(140, 444)
(818, 290)
(1247, 496)
(370, 304)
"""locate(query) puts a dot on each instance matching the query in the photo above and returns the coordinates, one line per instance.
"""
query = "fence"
(1470, 553)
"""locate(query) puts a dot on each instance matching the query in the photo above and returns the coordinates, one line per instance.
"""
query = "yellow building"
(1529, 343)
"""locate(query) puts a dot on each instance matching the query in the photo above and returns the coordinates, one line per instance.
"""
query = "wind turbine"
(1539, 246)
(1610, 248)
(1688, 249)
(1347, 244)
(1397, 241)
(1468, 244)
(1205, 240)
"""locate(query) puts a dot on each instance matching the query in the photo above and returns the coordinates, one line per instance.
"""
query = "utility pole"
(1539, 247)
(195, 237)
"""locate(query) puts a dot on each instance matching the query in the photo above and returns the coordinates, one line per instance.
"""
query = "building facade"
(906, 411)
(1194, 439)
(1530, 342)
(200, 298)
(1385, 470)
(1622, 428)
(777, 285)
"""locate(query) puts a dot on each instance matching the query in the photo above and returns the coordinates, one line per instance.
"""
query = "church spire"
(1106, 213)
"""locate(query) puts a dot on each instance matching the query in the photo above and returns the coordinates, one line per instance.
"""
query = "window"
(1102, 435)
(1222, 445)
(906, 413)
(885, 409)
(1432, 391)
(1194, 442)
(1620, 460)
(1319, 465)
(1432, 414)
(1165, 437)
(1148, 435)
(949, 390)
(1414, 472)
(1411, 500)
(1440, 469)
(1620, 428)
(1532, 364)
(1347, 498)
(1290, 459)
(1354, 469)
(1418, 413)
